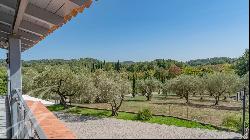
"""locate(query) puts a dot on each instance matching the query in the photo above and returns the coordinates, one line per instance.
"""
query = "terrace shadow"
(67, 117)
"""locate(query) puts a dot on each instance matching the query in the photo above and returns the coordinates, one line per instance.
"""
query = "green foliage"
(245, 81)
(81, 87)
(211, 61)
(183, 86)
(197, 71)
(144, 115)
(3, 81)
(56, 108)
(148, 86)
(222, 84)
(161, 74)
(242, 64)
(29, 75)
(87, 92)
(134, 91)
(117, 66)
(60, 81)
(111, 83)
(234, 122)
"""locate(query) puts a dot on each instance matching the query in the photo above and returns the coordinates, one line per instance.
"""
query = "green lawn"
(130, 116)
(202, 111)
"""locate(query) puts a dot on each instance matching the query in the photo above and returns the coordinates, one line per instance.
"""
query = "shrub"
(144, 115)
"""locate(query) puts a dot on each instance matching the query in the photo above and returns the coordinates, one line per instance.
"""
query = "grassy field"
(130, 116)
(203, 111)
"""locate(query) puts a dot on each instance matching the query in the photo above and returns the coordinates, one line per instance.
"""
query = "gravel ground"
(108, 128)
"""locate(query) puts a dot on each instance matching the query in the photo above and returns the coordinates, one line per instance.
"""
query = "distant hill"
(128, 62)
(211, 61)
(160, 62)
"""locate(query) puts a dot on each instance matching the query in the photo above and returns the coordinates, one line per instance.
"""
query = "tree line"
(93, 81)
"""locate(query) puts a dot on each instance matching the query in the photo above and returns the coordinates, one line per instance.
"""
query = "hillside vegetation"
(202, 83)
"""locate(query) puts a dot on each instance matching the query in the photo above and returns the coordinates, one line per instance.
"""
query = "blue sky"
(140, 30)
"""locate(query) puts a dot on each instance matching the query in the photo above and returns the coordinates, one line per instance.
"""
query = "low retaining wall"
(52, 127)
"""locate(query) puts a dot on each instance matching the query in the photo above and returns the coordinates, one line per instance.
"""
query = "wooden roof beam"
(20, 14)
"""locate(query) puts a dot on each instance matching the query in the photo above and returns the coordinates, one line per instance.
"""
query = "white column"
(15, 79)
(15, 62)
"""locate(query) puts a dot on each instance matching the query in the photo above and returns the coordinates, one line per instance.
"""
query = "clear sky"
(140, 30)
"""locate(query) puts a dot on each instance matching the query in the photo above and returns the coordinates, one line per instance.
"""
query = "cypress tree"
(93, 68)
(117, 66)
(134, 86)
(101, 66)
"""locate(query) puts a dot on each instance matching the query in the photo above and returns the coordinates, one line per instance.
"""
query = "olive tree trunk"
(115, 108)
(217, 99)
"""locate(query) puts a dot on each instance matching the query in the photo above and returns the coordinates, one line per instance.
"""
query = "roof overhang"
(33, 20)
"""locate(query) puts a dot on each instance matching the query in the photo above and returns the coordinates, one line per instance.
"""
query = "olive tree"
(148, 86)
(122, 87)
(86, 90)
(167, 87)
(183, 86)
(59, 80)
(112, 88)
(99, 78)
(221, 84)
(29, 75)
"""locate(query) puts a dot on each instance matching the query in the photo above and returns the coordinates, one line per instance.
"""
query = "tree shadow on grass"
(170, 97)
(218, 107)
(197, 99)
(134, 100)
(161, 98)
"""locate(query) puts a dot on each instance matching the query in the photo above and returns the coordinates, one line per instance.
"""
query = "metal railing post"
(244, 112)
(26, 125)
(14, 116)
